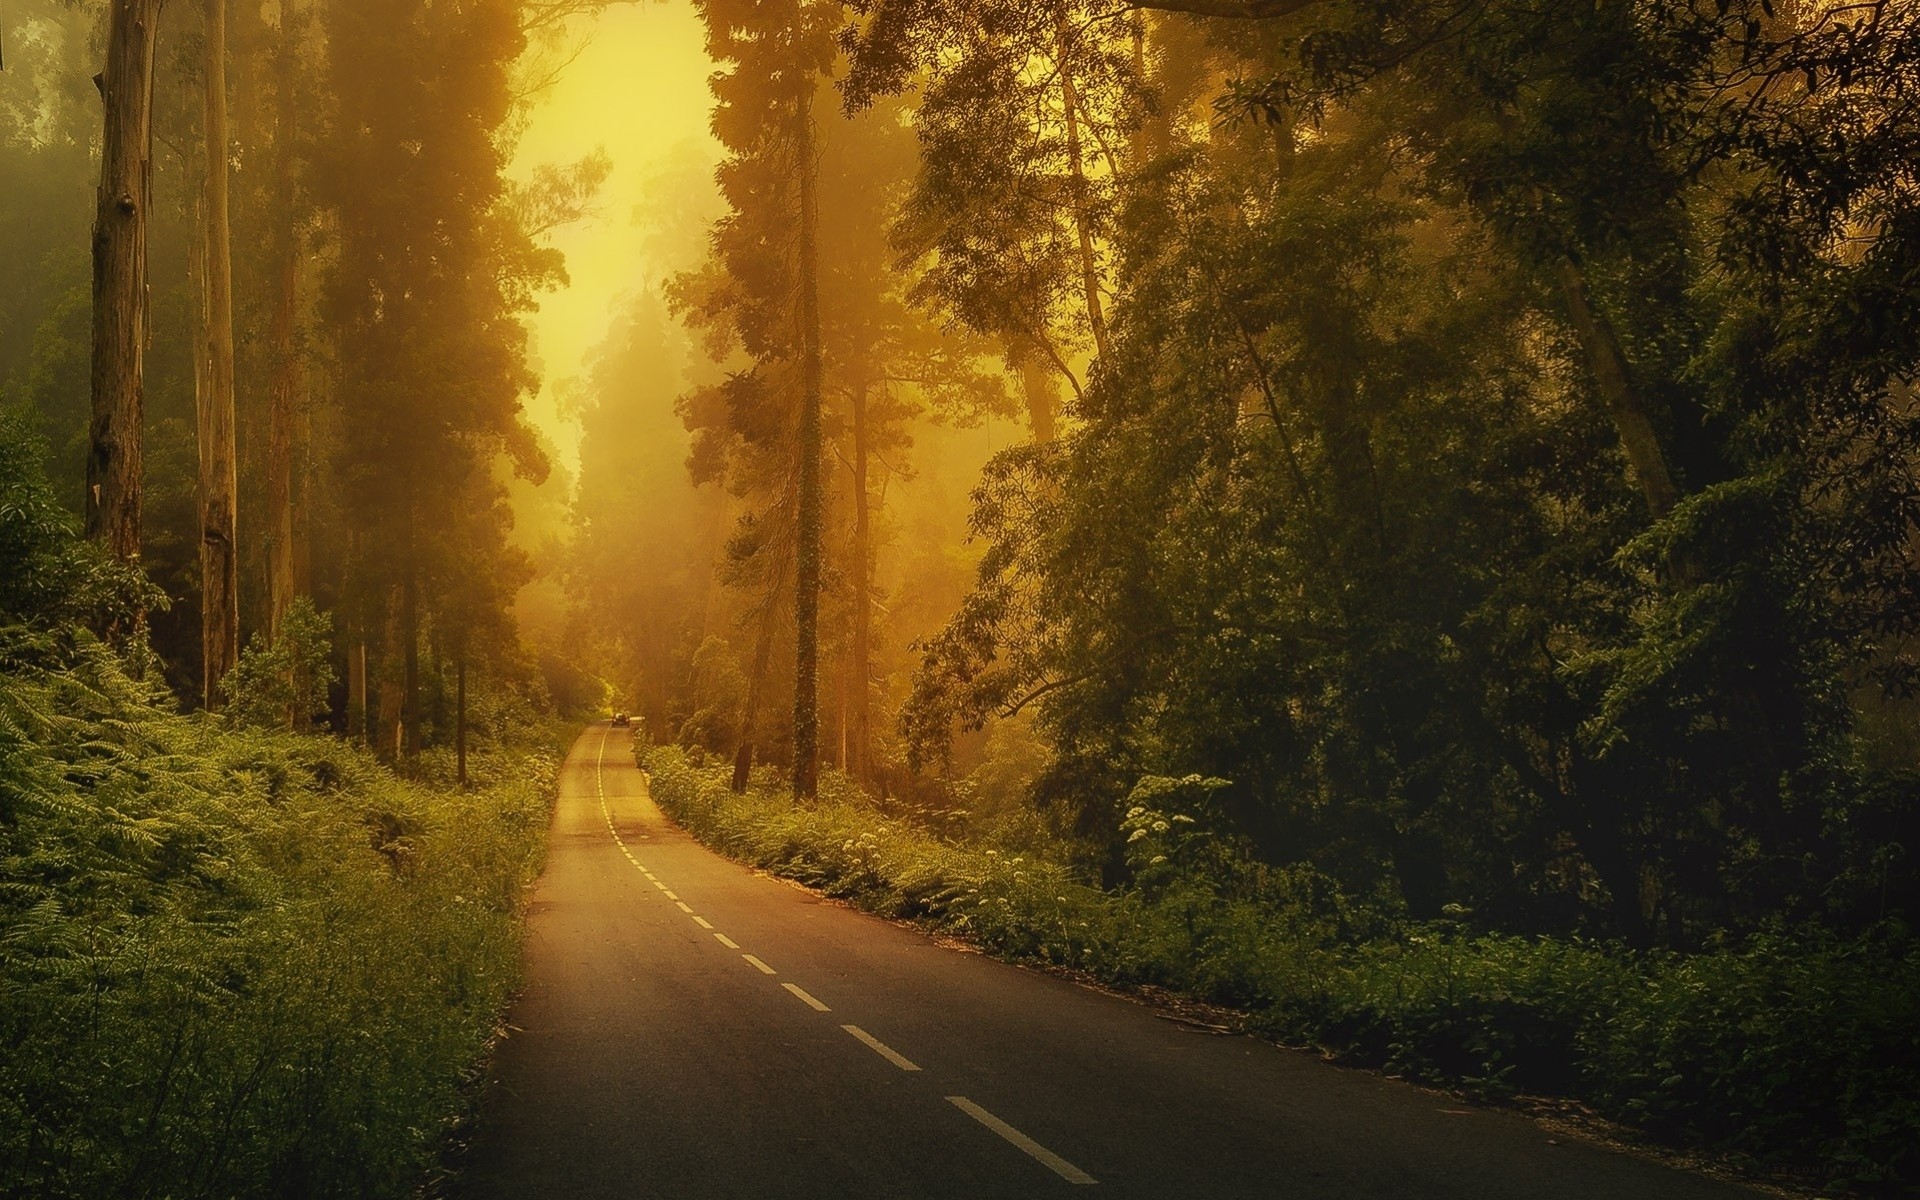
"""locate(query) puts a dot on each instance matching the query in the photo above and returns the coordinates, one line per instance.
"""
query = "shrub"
(236, 963)
(1794, 1048)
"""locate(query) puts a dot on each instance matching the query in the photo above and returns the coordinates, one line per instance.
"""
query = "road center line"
(882, 1049)
(683, 906)
(703, 923)
(726, 941)
(759, 966)
(1053, 1162)
(805, 999)
(670, 895)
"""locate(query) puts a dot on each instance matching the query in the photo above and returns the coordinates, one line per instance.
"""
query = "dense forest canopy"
(1477, 438)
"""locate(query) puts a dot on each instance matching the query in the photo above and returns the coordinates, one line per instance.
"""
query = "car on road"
(621, 720)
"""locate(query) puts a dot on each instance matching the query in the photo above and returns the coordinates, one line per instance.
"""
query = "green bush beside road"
(1794, 1049)
(238, 962)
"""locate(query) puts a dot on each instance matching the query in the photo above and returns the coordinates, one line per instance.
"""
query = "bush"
(235, 963)
(1795, 1048)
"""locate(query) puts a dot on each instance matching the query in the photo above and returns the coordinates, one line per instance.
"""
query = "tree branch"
(1241, 10)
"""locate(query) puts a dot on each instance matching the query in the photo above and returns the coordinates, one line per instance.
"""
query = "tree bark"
(410, 633)
(1041, 390)
(357, 691)
(806, 691)
(859, 722)
(460, 714)
(282, 432)
(756, 683)
(1631, 421)
(219, 560)
(1077, 182)
(120, 300)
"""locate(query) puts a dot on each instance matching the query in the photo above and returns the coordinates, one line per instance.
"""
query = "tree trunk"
(1041, 389)
(460, 714)
(388, 736)
(410, 632)
(284, 403)
(1077, 181)
(860, 672)
(219, 560)
(120, 301)
(357, 691)
(1632, 423)
(756, 683)
(806, 691)
(1631, 420)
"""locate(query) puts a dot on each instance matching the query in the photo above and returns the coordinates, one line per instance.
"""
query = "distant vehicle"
(622, 720)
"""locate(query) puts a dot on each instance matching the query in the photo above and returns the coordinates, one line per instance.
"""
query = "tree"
(120, 304)
(219, 538)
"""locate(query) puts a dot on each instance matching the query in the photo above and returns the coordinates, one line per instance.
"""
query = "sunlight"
(638, 91)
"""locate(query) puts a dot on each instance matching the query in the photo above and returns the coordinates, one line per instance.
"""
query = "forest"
(1401, 516)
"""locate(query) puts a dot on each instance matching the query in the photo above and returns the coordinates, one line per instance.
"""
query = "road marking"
(683, 907)
(882, 1049)
(703, 923)
(1040, 1154)
(763, 968)
(728, 942)
(805, 999)
(670, 895)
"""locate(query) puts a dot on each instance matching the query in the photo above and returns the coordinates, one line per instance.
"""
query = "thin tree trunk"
(388, 736)
(1077, 179)
(120, 301)
(756, 684)
(357, 690)
(284, 402)
(1632, 423)
(410, 632)
(460, 713)
(1631, 420)
(219, 559)
(806, 692)
(860, 672)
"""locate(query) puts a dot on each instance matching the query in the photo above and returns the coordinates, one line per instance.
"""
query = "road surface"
(691, 1029)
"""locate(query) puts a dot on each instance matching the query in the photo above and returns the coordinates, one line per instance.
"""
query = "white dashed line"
(726, 941)
(670, 895)
(805, 999)
(683, 906)
(759, 966)
(1040, 1154)
(881, 1048)
(703, 923)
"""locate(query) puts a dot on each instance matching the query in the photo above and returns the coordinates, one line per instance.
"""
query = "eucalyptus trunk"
(806, 692)
(219, 557)
(284, 488)
(120, 302)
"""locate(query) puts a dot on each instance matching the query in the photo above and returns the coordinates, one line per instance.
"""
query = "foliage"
(237, 963)
(1793, 1048)
(285, 682)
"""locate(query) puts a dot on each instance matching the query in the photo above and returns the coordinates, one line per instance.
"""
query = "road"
(691, 1029)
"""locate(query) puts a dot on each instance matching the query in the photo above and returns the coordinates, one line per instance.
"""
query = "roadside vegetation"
(234, 960)
(1792, 1050)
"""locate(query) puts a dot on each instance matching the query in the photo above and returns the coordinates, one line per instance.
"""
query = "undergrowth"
(1796, 1050)
(237, 962)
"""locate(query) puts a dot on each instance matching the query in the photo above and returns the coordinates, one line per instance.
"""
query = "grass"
(1796, 1050)
(235, 962)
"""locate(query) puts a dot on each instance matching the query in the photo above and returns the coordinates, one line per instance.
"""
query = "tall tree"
(120, 301)
(219, 549)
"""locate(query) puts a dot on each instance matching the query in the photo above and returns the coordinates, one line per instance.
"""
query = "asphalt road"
(691, 1029)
